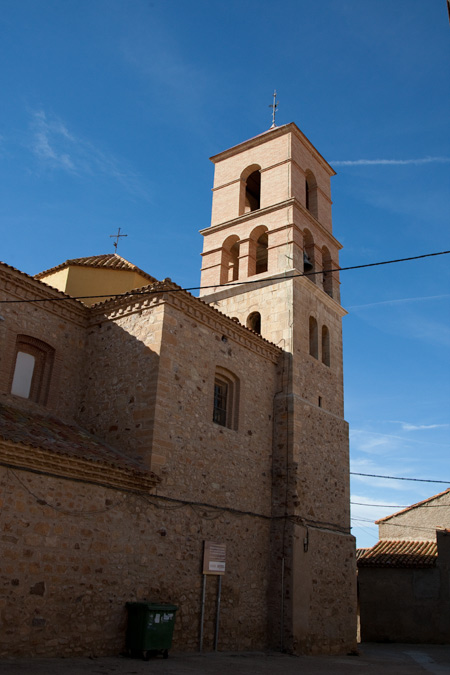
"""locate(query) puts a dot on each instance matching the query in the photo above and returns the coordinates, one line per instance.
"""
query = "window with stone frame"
(33, 364)
(226, 399)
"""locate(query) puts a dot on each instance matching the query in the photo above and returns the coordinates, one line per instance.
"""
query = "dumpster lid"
(153, 606)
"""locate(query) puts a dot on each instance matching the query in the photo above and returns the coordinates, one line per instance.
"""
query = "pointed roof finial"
(274, 107)
(116, 237)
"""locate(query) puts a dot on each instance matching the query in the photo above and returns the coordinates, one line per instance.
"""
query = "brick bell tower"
(271, 222)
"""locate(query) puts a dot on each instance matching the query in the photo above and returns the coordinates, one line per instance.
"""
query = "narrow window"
(226, 399)
(220, 402)
(313, 338)
(254, 322)
(325, 346)
(33, 365)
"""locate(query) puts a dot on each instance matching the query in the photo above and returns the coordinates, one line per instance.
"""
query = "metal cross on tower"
(116, 236)
(274, 107)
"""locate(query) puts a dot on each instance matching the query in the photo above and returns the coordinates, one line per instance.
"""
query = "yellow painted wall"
(79, 281)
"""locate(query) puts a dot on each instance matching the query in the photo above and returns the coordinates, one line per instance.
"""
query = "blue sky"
(111, 109)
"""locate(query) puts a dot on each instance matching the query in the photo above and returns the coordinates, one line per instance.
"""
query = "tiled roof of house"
(36, 430)
(413, 506)
(398, 553)
(108, 260)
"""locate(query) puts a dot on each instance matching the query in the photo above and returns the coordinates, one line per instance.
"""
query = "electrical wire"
(417, 480)
(400, 506)
(228, 285)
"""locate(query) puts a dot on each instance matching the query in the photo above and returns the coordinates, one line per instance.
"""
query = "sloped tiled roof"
(108, 260)
(30, 428)
(413, 506)
(398, 553)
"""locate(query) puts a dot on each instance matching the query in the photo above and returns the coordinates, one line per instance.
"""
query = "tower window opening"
(253, 192)
(327, 277)
(233, 265)
(309, 255)
(229, 268)
(325, 346)
(262, 253)
(311, 193)
(313, 338)
(254, 322)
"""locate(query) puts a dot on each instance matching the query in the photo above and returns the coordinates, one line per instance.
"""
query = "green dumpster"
(150, 628)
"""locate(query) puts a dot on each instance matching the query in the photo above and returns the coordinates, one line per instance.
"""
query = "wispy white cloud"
(57, 148)
(374, 442)
(400, 301)
(390, 162)
(420, 427)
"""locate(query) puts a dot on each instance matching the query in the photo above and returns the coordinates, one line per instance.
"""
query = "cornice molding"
(194, 307)
(260, 213)
(38, 460)
(22, 287)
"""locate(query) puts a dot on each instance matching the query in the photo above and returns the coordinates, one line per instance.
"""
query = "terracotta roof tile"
(48, 432)
(108, 260)
(398, 553)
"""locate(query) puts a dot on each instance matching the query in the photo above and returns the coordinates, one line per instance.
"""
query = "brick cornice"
(19, 286)
(191, 306)
(18, 456)
(270, 135)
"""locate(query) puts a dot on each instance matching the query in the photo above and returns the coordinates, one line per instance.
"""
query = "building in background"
(404, 580)
(135, 429)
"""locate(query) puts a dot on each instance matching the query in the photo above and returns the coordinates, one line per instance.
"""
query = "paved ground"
(373, 659)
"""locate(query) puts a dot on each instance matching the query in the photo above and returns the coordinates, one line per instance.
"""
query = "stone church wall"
(73, 554)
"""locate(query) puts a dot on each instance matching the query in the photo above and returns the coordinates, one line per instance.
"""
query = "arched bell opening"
(250, 198)
(327, 276)
(229, 268)
(311, 193)
(308, 255)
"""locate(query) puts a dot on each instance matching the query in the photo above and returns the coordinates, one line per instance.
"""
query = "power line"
(419, 480)
(229, 285)
(400, 506)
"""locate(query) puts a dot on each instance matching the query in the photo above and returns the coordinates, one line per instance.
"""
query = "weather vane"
(274, 107)
(116, 236)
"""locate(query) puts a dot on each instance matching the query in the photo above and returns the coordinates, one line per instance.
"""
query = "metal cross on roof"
(116, 236)
(274, 107)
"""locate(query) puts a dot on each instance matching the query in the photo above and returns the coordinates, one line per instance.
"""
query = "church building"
(139, 424)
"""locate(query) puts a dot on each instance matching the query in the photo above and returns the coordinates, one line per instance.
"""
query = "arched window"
(311, 193)
(33, 365)
(229, 269)
(325, 346)
(254, 322)
(250, 199)
(309, 255)
(313, 338)
(226, 398)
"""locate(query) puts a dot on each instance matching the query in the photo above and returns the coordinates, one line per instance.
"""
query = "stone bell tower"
(271, 226)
